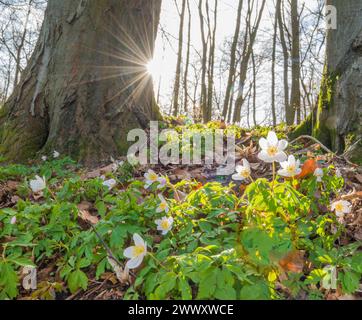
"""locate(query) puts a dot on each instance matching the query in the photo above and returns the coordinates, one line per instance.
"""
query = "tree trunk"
(339, 114)
(253, 30)
(187, 63)
(232, 69)
(277, 8)
(254, 87)
(211, 66)
(203, 96)
(86, 85)
(176, 93)
(286, 58)
(295, 91)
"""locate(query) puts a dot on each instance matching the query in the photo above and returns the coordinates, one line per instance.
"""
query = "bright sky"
(166, 52)
(164, 64)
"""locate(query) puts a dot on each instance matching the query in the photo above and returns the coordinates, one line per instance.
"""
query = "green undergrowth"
(273, 241)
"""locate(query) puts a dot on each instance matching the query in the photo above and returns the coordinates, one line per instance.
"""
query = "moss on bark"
(323, 129)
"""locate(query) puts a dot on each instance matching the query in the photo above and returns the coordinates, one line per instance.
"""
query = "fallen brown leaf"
(86, 216)
(293, 261)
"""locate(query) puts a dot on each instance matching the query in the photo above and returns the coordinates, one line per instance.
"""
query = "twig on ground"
(324, 148)
(109, 251)
(315, 140)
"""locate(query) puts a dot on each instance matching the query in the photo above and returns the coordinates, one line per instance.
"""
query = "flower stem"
(157, 261)
(273, 182)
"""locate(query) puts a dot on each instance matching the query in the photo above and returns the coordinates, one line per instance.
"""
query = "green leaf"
(356, 262)
(256, 291)
(207, 285)
(8, 282)
(101, 207)
(76, 280)
(185, 288)
(23, 262)
(350, 281)
(168, 282)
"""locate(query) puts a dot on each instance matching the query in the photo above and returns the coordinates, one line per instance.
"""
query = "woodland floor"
(36, 238)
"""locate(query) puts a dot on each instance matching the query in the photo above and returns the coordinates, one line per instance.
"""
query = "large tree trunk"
(86, 85)
(339, 114)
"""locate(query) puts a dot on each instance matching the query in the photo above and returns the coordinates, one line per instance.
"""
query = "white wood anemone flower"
(242, 172)
(151, 177)
(164, 225)
(38, 184)
(272, 150)
(341, 208)
(136, 253)
(44, 158)
(318, 173)
(290, 168)
(163, 206)
(56, 154)
(110, 184)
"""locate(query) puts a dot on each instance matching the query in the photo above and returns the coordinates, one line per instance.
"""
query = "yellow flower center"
(291, 169)
(272, 151)
(165, 224)
(138, 250)
(339, 207)
(245, 173)
(153, 177)
(163, 205)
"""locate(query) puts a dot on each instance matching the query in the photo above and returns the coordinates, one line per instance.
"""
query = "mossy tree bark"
(338, 120)
(86, 85)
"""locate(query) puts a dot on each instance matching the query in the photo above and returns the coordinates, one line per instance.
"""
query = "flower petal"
(128, 252)
(291, 160)
(138, 240)
(246, 163)
(134, 262)
(263, 143)
(282, 145)
(272, 138)
(238, 168)
(237, 177)
(263, 155)
(284, 164)
(283, 173)
(280, 157)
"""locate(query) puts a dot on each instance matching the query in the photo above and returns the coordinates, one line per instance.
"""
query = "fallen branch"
(324, 148)
(315, 140)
